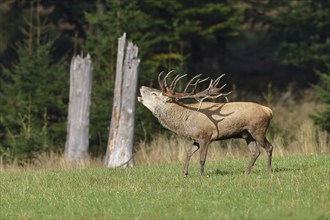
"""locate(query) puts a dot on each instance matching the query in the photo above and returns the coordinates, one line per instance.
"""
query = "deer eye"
(153, 94)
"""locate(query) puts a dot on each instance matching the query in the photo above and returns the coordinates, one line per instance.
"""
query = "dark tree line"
(254, 42)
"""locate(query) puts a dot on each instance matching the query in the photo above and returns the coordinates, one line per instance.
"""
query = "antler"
(169, 91)
(212, 92)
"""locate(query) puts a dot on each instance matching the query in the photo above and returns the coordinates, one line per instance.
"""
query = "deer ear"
(167, 99)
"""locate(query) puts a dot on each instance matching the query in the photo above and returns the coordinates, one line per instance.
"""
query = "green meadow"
(297, 189)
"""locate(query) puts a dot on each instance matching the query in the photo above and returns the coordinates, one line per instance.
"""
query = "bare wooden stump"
(77, 142)
(120, 143)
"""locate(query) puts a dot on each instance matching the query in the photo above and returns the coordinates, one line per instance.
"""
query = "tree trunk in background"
(120, 143)
(77, 142)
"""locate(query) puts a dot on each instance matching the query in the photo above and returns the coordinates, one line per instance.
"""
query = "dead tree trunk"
(120, 143)
(77, 141)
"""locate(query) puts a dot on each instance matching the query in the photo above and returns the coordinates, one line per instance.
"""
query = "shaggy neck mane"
(172, 115)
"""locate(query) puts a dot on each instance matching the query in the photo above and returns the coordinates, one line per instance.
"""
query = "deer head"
(168, 93)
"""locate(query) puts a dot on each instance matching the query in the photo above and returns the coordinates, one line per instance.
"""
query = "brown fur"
(212, 121)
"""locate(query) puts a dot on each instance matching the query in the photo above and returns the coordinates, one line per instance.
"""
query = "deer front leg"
(190, 152)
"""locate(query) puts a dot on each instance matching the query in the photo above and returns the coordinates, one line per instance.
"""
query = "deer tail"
(268, 111)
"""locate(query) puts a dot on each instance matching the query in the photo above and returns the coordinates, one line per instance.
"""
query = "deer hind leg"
(252, 145)
(204, 148)
(269, 149)
(190, 152)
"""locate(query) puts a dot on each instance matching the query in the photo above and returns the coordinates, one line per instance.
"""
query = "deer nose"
(141, 89)
(144, 89)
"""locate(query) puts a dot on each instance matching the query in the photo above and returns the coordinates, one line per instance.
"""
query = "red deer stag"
(206, 122)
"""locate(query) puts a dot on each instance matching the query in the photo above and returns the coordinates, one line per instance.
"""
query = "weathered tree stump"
(120, 143)
(77, 142)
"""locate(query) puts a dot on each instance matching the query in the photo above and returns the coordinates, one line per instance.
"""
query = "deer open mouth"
(140, 99)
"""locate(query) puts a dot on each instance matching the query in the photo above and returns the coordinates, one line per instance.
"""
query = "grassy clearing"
(298, 188)
(51, 188)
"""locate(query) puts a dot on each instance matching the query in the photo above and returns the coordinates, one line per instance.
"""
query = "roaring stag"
(205, 122)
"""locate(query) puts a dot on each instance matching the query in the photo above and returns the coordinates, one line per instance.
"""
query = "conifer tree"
(34, 95)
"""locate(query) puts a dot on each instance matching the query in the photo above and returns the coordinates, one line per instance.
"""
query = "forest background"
(274, 52)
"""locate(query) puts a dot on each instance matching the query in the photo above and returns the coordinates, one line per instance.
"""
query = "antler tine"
(175, 81)
(228, 93)
(159, 81)
(175, 78)
(167, 75)
(200, 100)
(219, 89)
(195, 84)
(190, 81)
(211, 92)
(211, 84)
(216, 82)
(222, 94)
(203, 80)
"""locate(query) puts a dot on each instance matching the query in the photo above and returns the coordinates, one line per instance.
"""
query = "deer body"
(206, 122)
(216, 121)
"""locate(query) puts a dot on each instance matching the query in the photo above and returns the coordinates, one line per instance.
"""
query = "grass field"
(298, 189)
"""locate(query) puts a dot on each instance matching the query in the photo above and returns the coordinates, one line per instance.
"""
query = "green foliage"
(304, 28)
(35, 84)
(160, 192)
(28, 142)
(299, 29)
(323, 90)
(189, 28)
